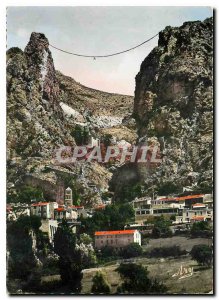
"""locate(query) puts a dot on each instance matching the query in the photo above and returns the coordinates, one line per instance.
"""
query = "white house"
(117, 238)
(199, 212)
(65, 213)
(143, 202)
(45, 210)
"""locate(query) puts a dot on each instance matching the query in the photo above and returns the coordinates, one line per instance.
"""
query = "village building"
(44, 210)
(158, 200)
(146, 206)
(15, 210)
(141, 203)
(208, 200)
(157, 210)
(67, 213)
(143, 228)
(184, 201)
(117, 238)
(199, 212)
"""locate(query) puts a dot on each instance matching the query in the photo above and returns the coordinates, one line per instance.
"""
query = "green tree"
(136, 281)
(132, 250)
(70, 264)
(109, 252)
(161, 228)
(173, 217)
(113, 217)
(128, 193)
(100, 285)
(168, 188)
(202, 254)
(107, 139)
(86, 135)
(22, 262)
(80, 134)
(88, 255)
(26, 194)
(85, 239)
(201, 228)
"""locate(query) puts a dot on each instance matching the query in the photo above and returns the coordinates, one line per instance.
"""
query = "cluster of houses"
(186, 209)
(51, 213)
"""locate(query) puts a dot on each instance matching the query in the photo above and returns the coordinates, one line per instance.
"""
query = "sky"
(98, 31)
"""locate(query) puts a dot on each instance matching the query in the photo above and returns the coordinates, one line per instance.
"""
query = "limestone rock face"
(35, 119)
(173, 110)
(173, 104)
(43, 109)
(35, 122)
(41, 66)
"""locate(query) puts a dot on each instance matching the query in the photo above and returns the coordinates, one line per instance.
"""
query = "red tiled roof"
(115, 232)
(60, 209)
(182, 198)
(198, 218)
(190, 197)
(40, 204)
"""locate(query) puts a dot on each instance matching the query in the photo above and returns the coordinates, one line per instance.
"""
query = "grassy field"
(163, 269)
(185, 243)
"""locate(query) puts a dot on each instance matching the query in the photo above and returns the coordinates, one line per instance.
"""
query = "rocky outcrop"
(173, 109)
(173, 105)
(43, 109)
(35, 119)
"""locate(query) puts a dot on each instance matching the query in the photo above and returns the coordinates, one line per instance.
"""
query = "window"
(111, 241)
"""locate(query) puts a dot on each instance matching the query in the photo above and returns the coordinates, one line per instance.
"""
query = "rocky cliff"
(35, 120)
(173, 108)
(43, 109)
